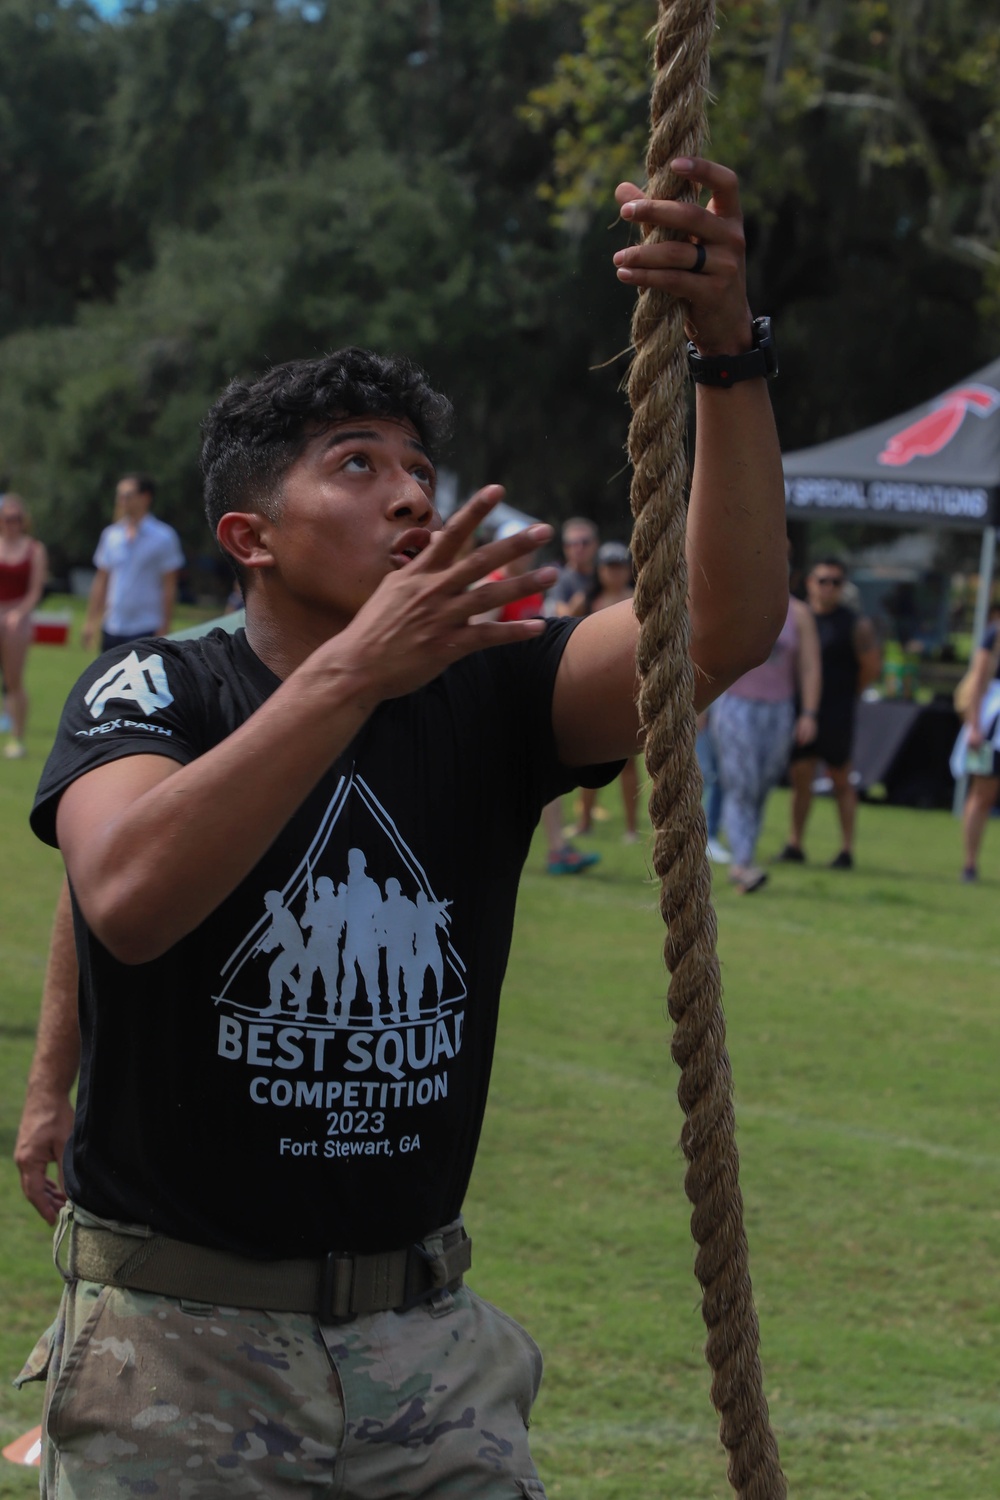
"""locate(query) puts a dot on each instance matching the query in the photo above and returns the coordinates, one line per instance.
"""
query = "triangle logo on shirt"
(356, 939)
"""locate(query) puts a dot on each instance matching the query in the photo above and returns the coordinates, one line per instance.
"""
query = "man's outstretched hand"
(421, 617)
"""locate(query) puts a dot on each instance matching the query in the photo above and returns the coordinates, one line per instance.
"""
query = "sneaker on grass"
(747, 878)
(570, 861)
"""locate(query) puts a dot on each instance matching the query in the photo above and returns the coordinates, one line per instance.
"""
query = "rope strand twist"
(657, 388)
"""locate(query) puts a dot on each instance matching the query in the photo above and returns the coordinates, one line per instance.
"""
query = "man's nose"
(411, 502)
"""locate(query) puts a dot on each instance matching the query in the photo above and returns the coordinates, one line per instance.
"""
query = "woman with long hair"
(24, 567)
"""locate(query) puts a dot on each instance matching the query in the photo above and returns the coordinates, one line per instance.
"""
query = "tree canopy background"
(196, 188)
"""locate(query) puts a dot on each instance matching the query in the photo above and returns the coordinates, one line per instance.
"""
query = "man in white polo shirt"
(138, 559)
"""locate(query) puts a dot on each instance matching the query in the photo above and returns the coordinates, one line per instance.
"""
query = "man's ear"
(244, 535)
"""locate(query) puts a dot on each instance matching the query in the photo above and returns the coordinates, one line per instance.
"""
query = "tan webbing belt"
(331, 1288)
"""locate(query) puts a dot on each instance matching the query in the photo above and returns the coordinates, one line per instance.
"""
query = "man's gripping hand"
(420, 618)
(718, 318)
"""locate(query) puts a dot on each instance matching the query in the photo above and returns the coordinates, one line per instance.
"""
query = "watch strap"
(726, 369)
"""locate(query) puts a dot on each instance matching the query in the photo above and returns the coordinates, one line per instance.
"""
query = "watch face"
(764, 341)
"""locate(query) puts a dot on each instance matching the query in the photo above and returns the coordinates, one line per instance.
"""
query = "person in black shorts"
(851, 662)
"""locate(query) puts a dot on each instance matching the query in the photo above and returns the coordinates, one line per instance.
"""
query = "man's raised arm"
(736, 548)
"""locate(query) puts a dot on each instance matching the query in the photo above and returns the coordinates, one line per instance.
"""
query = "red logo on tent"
(935, 431)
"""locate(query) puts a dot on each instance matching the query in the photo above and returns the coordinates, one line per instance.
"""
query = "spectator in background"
(574, 590)
(977, 752)
(851, 662)
(570, 595)
(138, 560)
(615, 584)
(24, 567)
(754, 726)
(712, 798)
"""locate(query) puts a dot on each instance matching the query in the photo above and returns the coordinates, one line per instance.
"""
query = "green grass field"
(864, 1028)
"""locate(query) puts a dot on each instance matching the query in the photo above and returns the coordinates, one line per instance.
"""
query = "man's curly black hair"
(255, 432)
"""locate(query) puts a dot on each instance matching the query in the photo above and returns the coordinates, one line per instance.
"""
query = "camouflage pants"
(150, 1395)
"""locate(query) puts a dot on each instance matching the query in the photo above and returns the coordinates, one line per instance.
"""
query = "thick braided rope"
(657, 389)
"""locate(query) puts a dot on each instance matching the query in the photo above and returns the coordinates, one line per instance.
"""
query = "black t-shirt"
(840, 661)
(307, 1070)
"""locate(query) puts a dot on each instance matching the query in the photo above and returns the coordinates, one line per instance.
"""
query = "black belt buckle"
(336, 1282)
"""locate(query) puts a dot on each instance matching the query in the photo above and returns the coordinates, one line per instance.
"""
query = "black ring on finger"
(699, 260)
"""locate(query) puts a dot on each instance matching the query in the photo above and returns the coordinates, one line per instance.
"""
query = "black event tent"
(937, 465)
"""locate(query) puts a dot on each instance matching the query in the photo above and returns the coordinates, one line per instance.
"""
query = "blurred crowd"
(791, 719)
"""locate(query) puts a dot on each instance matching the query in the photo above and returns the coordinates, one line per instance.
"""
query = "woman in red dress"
(24, 567)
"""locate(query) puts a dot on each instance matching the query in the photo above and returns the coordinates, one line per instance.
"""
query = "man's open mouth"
(411, 544)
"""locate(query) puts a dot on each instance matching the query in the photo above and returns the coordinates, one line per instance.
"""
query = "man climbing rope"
(264, 1256)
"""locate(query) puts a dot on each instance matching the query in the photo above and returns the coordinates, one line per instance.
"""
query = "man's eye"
(356, 460)
(425, 476)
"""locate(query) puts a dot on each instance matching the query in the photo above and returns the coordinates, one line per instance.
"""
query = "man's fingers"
(628, 192)
(721, 181)
(506, 590)
(41, 1192)
(489, 633)
(700, 258)
(637, 206)
(459, 528)
(493, 555)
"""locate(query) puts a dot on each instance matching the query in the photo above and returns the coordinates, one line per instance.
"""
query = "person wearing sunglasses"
(24, 567)
(851, 661)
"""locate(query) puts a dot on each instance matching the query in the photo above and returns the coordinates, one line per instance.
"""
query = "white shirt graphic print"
(346, 989)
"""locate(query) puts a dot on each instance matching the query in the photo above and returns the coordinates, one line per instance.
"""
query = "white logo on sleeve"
(143, 683)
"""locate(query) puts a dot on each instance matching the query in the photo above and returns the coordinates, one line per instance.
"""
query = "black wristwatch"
(727, 369)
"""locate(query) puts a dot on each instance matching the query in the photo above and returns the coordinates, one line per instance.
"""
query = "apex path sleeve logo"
(143, 683)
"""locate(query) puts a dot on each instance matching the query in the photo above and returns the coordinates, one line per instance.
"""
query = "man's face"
(131, 502)
(580, 548)
(825, 587)
(357, 505)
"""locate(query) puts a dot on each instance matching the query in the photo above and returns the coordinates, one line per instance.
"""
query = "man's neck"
(284, 640)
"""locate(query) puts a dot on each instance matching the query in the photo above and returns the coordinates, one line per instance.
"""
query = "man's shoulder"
(213, 651)
(213, 655)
